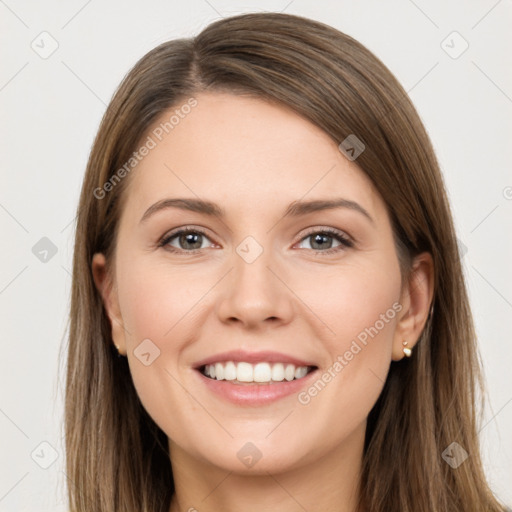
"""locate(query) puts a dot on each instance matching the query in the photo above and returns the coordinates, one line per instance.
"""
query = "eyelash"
(334, 233)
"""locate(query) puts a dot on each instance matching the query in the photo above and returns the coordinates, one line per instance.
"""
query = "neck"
(330, 483)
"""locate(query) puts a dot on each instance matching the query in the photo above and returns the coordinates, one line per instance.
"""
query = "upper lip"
(252, 357)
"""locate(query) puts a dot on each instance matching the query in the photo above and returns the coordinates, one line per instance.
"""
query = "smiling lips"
(255, 367)
(254, 378)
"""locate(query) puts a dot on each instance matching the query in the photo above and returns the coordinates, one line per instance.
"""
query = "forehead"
(246, 153)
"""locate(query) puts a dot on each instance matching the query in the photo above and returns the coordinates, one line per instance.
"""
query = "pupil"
(318, 239)
(192, 239)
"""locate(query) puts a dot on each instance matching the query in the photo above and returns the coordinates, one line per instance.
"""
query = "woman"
(220, 358)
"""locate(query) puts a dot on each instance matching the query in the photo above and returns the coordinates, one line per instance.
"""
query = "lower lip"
(255, 394)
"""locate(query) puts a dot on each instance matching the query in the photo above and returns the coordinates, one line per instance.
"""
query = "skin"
(254, 159)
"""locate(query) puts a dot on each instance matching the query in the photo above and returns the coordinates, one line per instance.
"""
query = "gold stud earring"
(407, 351)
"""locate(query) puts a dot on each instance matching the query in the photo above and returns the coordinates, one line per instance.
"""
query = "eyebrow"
(295, 209)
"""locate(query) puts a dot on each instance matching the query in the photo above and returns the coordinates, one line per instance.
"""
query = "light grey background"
(51, 108)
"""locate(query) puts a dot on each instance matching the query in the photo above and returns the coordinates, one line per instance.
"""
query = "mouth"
(249, 378)
(261, 373)
(255, 384)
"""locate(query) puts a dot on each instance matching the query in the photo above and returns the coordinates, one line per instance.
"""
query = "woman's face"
(275, 279)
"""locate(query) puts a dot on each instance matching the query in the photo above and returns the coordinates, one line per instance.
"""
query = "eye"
(321, 240)
(188, 240)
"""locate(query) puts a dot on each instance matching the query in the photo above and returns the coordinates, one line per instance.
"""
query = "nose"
(254, 294)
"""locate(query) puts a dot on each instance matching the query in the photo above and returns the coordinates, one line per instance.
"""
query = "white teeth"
(219, 371)
(260, 372)
(230, 371)
(289, 372)
(278, 372)
(244, 372)
(300, 372)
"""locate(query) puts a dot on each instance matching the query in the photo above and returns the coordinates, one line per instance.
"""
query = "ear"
(416, 300)
(108, 291)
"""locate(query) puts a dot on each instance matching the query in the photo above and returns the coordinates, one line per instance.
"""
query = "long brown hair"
(117, 457)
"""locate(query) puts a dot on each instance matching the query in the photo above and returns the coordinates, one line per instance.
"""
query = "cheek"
(155, 301)
(160, 313)
(361, 310)
(354, 302)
